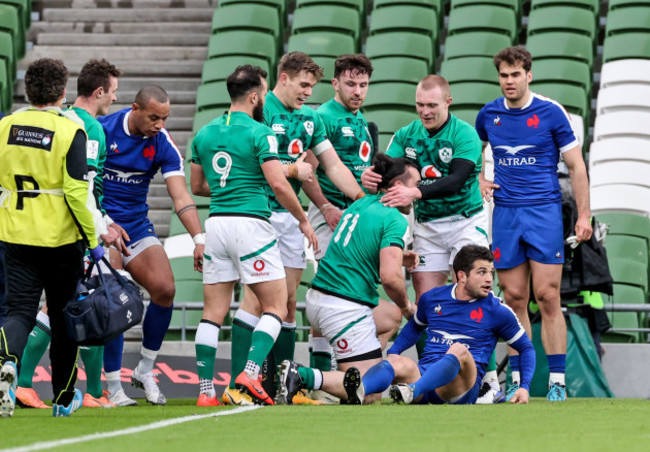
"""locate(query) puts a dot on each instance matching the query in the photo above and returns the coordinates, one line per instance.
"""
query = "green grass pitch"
(577, 425)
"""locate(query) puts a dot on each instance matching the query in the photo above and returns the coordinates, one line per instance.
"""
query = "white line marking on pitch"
(127, 431)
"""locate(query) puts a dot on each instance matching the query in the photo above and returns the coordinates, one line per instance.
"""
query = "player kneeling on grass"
(367, 244)
(462, 322)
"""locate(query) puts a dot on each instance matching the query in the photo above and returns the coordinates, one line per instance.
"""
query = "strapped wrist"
(293, 171)
(199, 239)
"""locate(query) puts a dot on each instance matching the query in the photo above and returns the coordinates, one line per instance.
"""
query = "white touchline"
(127, 431)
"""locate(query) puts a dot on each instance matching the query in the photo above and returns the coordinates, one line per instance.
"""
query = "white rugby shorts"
(291, 240)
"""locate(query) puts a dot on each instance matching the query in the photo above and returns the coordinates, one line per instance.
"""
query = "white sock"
(318, 379)
(207, 387)
(252, 369)
(43, 318)
(207, 333)
(147, 360)
(247, 317)
(556, 377)
(516, 378)
(492, 378)
(113, 382)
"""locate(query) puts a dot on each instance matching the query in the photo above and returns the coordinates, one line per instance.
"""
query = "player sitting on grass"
(462, 323)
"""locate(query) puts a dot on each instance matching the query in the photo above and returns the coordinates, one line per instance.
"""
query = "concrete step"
(138, 15)
(127, 84)
(140, 3)
(130, 68)
(159, 190)
(101, 27)
(159, 202)
(123, 39)
(179, 97)
(133, 53)
(175, 123)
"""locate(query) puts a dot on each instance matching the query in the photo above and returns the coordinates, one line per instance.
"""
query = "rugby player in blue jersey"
(462, 322)
(528, 133)
(138, 145)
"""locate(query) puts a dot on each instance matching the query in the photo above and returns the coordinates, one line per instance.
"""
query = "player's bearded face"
(351, 89)
(258, 110)
(478, 282)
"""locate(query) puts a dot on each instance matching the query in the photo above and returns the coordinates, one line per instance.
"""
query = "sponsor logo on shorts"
(343, 346)
(259, 266)
(558, 255)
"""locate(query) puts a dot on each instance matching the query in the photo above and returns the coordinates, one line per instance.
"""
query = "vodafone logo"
(364, 151)
(258, 265)
(342, 344)
(430, 172)
(295, 148)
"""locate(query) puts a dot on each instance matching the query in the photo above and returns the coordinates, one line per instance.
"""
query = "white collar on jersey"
(453, 295)
(125, 125)
(530, 101)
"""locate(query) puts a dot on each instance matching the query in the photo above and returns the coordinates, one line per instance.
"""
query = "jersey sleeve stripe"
(569, 146)
(321, 147)
(173, 173)
(415, 317)
(173, 145)
(516, 336)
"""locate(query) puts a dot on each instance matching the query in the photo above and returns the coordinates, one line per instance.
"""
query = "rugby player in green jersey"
(299, 131)
(368, 244)
(234, 159)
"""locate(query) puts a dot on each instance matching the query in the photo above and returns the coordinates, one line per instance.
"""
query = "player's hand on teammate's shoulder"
(305, 170)
(305, 228)
(399, 196)
(520, 396)
(487, 187)
(370, 179)
(410, 260)
(332, 215)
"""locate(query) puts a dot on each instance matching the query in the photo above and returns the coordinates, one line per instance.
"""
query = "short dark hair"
(512, 56)
(151, 92)
(243, 80)
(295, 62)
(94, 74)
(391, 169)
(45, 81)
(356, 63)
(464, 260)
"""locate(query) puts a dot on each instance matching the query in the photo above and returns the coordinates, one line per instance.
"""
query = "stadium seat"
(320, 93)
(327, 18)
(415, 19)
(620, 198)
(563, 18)
(621, 320)
(514, 5)
(279, 5)
(564, 71)
(322, 44)
(394, 69)
(620, 172)
(243, 43)
(6, 89)
(437, 5)
(627, 224)
(474, 18)
(625, 46)
(183, 269)
(561, 45)
(579, 127)
(401, 44)
(615, 4)
(213, 95)
(390, 96)
(624, 71)
(218, 69)
(327, 63)
(389, 121)
(24, 8)
(573, 98)
(189, 291)
(628, 97)
(466, 114)
(622, 123)
(591, 5)
(12, 22)
(201, 118)
(480, 43)
(473, 95)
(359, 5)
(469, 69)
(180, 245)
(627, 247)
(619, 149)
(628, 20)
(7, 56)
(629, 271)
(247, 16)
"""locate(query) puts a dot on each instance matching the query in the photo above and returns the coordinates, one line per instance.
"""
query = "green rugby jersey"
(96, 150)
(350, 268)
(296, 131)
(231, 150)
(433, 155)
(351, 139)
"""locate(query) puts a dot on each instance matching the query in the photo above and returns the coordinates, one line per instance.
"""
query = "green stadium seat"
(359, 5)
(615, 4)
(187, 290)
(202, 118)
(12, 22)
(487, 18)
(247, 16)
(390, 96)
(564, 19)
(469, 69)
(176, 227)
(571, 46)
(414, 19)
(218, 69)
(591, 5)
(627, 247)
(628, 20)
(479, 43)
(384, 141)
(183, 269)
(514, 5)
(279, 5)
(473, 95)
(6, 89)
(322, 44)
(212, 95)
(7, 56)
(630, 272)
(566, 71)
(622, 320)
(627, 224)
(24, 8)
(320, 93)
(332, 18)
(573, 98)
(401, 44)
(625, 46)
(243, 43)
(466, 114)
(389, 121)
(437, 5)
(327, 63)
(394, 69)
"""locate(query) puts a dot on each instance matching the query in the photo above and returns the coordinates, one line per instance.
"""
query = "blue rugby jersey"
(131, 162)
(526, 145)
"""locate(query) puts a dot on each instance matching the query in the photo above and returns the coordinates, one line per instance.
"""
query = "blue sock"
(155, 326)
(113, 354)
(556, 363)
(378, 378)
(438, 374)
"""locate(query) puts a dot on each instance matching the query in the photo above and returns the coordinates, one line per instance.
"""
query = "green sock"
(242, 332)
(264, 336)
(37, 343)
(307, 376)
(205, 357)
(492, 364)
(321, 360)
(285, 345)
(93, 358)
